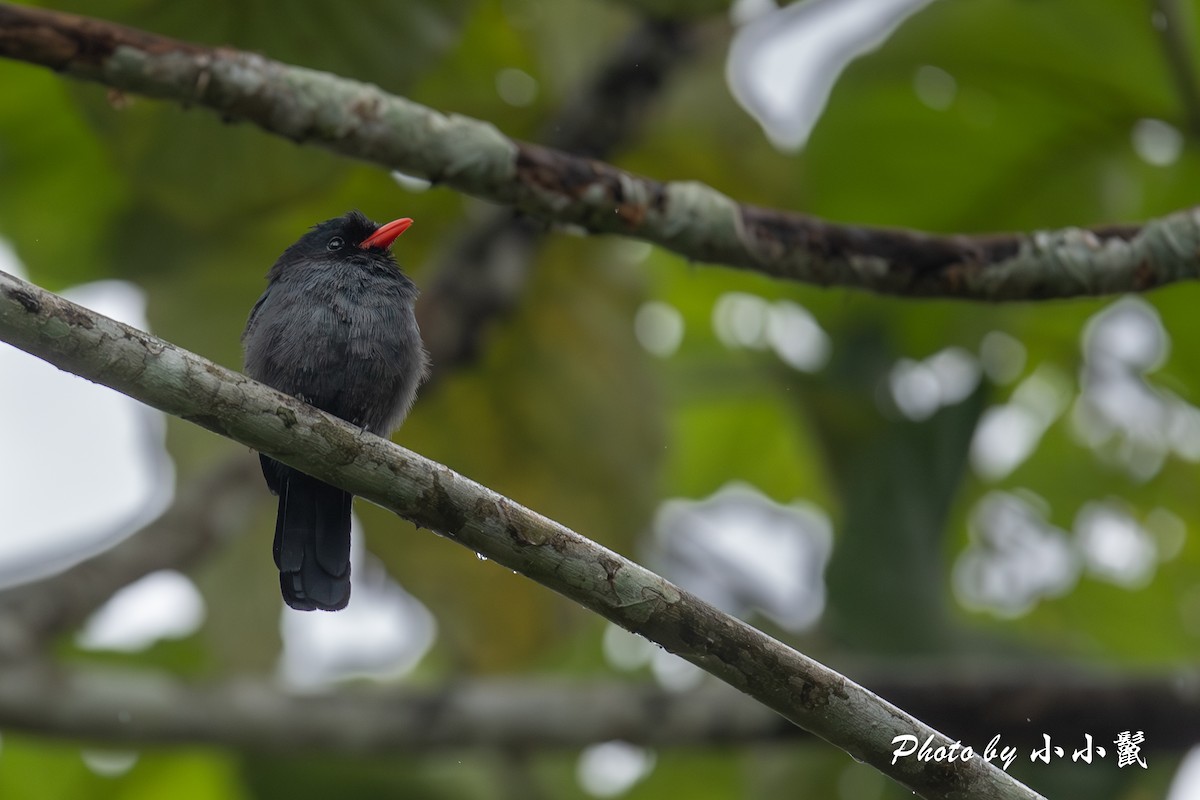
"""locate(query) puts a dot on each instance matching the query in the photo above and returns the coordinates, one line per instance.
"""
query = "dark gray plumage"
(336, 329)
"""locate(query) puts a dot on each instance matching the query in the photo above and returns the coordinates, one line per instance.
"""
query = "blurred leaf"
(186, 776)
(33, 770)
(378, 41)
(69, 190)
(430, 777)
(1029, 125)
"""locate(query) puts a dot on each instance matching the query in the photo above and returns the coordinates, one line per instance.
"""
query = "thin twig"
(1172, 28)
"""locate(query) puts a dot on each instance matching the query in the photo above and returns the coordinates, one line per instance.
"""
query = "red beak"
(386, 234)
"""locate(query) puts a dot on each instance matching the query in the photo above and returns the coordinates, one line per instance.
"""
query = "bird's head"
(349, 238)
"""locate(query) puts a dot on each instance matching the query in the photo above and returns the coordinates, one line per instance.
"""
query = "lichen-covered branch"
(694, 220)
(139, 708)
(432, 496)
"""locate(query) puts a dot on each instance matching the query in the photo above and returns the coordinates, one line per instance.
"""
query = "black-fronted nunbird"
(335, 328)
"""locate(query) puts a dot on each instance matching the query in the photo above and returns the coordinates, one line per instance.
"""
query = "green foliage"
(42, 771)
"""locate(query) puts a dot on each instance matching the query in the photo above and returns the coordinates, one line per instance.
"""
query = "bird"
(335, 328)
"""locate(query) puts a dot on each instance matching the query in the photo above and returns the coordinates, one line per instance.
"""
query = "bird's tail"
(312, 539)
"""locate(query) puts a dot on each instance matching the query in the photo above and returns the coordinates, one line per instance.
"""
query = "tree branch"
(1176, 42)
(433, 496)
(678, 9)
(694, 220)
(136, 708)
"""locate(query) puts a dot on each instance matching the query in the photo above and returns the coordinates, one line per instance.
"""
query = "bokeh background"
(881, 482)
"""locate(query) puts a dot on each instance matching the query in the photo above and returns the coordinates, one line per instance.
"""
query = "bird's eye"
(335, 243)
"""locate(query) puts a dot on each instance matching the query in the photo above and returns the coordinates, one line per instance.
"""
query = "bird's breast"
(343, 341)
